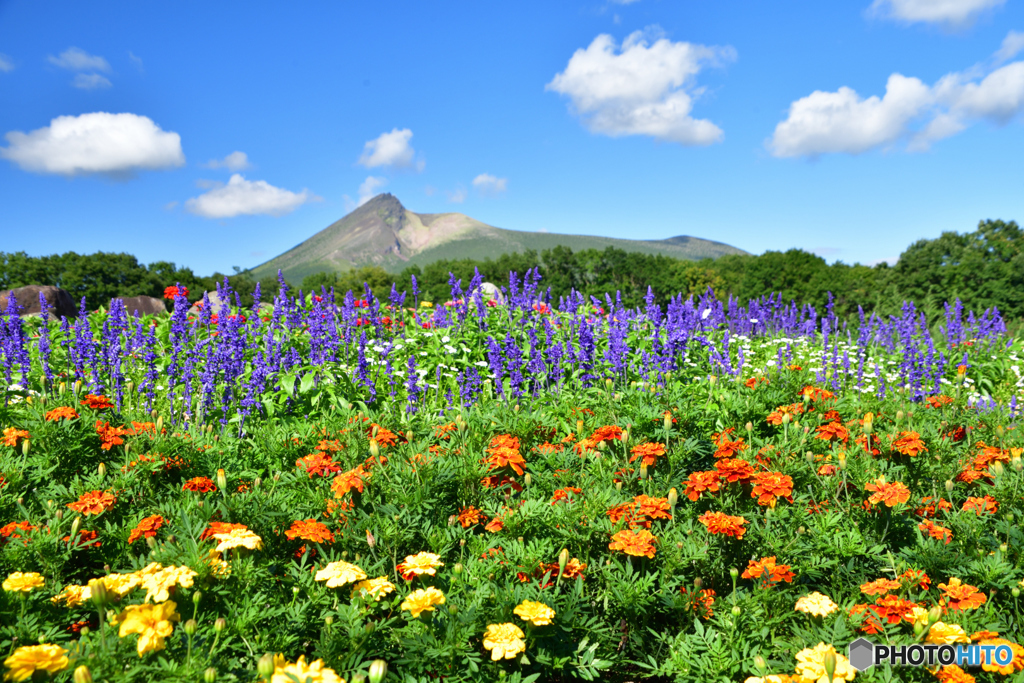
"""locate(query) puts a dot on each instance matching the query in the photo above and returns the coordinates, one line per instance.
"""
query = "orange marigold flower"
(109, 436)
(721, 523)
(983, 635)
(734, 470)
(565, 494)
(770, 486)
(61, 413)
(147, 527)
(768, 571)
(220, 528)
(990, 455)
(654, 508)
(96, 402)
(318, 464)
(384, 437)
(909, 443)
(969, 476)
(649, 453)
(636, 543)
(701, 602)
(929, 508)
(607, 433)
(93, 503)
(11, 436)
(504, 452)
(981, 506)
(495, 525)
(728, 449)
(353, 479)
(444, 431)
(11, 529)
(469, 516)
(833, 431)
(1014, 665)
(816, 394)
(916, 577)
(700, 482)
(199, 485)
(880, 587)
(938, 401)
(870, 624)
(893, 608)
(951, 673)
(960, 596)
(310, 530)
(940, 533)
(891, 494)
(794, 409)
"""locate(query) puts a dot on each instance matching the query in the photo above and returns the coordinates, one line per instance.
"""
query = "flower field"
(331, 488)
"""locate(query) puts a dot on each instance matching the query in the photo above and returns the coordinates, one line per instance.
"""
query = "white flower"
(705, 314)
(445, 339)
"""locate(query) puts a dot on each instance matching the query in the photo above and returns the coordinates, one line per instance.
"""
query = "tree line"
(984, 268)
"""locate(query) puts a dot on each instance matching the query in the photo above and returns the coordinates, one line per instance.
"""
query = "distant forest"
(983, 268)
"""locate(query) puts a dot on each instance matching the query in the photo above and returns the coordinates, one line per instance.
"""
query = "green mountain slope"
(383, 232)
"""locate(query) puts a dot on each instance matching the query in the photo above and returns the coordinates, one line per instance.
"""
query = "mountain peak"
(383, 232)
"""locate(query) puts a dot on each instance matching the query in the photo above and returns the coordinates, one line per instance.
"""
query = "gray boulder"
(143, 305)
(491, 292)
(59, 301)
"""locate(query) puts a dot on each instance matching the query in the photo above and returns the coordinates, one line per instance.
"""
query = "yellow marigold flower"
(946, 634)
(159, 583)
(773, 678)
(151, 622)
(314, 672)
(504, 640)
(238, 538)
(423, 600)
(219, 567)
(537, 613)
(917, 615)
(376, 588)
(28, 659)
(72, 596)
(810, 665)
(23, 582)
(339, 573)
(419, 564)
(118, 584)
(816, 604)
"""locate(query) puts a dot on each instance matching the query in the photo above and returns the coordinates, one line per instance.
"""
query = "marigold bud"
(528, 479)
(668, 421)
(197, 597)
(934, 614)
(151, 542)
(191, 626)
(222, 480)
(673, 498)
(643, 471)
(734, 572)
(736, 611)
(256, 483)
(760, 664)
(457, 568)
(809, 457)
(82, 674)
(210, 675)
(787, 418)
(266, 666)
(453, 520)
(750, 426)
(698, 582)
(829, 662)
(219, 624)
(159, 424)
(25, 446)
(997, 469)
(75, 525)
(329, 620)
(563, 559)
(374, 448)
(899, 415)
(949, 486)
(370, 540)
(98, 592)
(601, 446)
(618, 486)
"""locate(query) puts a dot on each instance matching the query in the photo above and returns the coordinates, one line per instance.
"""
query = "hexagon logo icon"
(862, 654)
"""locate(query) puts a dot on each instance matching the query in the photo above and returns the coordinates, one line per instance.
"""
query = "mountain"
(383, 232)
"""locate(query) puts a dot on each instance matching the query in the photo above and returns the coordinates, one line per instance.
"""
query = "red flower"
(96, 402)
(172, 292)
(93, 503)
(310, 530)
(700, 482)
(768, 571)
(318, 464)
(199, 485)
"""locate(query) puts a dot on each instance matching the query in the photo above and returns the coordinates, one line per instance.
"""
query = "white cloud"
(247, 197)
(458, 195)
(91, 81)
(236, 161)
(367, 191)
(390, 149)
(1013, 43)
(950, 12)
(843, 121)
(112, 144)
(490, 185)
(6, 63)
(640, 88)
(76, 59)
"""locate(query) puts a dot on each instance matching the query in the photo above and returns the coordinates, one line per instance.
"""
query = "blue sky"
(221, 134)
